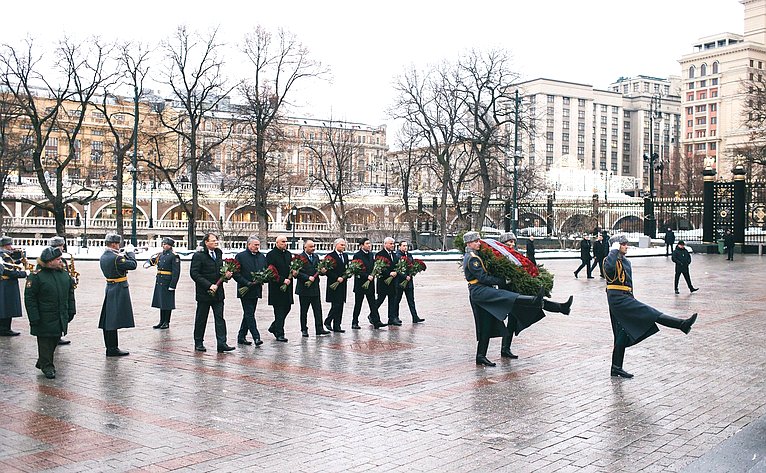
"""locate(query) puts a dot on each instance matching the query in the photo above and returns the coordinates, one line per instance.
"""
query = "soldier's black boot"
(165, 319)
(505, 349)
(618, 355)
(532, 301)
(684, 325)
(112, 344)
(481, 352)
(560, 307)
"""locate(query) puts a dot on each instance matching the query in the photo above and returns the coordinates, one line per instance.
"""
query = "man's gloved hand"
(129, 248)
(615, 245)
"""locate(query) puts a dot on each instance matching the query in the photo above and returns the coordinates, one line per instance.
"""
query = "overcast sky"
(366, 44)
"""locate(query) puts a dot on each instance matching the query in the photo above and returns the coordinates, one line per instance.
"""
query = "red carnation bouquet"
(400, 267)
(354, 267)
(296, 264)
(266, 275)
(229, 265)
(381, 263)
(322, 267)
(417, 266)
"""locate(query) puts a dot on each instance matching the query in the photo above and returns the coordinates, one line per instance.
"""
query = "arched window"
(703, 70)
(691, 72)
(715, 67)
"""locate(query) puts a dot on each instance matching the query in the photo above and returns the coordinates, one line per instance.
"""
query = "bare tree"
(194, 73)
(80, 67)
(278, 62)
(333, 152)
(690, 176)
(12, 144)
(407, 162)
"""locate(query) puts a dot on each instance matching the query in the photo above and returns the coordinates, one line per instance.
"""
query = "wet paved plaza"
(406, 398)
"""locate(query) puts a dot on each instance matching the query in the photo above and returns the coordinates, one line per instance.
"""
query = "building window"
(703, 70)
(549, 122)
(691, 72)
(604, 109)
(691, 85)
(689, 110)
(635, 87)
(701, 108)
(549, 147)
(565, 113)
(690, 97)
(566, 100)
(581, 114)
(551, 98)
(712, 147)
(713, 107)
(713, 94)
(689, 123)
(700, 133)
(549, 135)
(565, 149)
(565, 125)
(713, 120)
(565, 137)
(581, 102)
(700, 147)
(580, 151)
(713, 81)
(703, 83)
(701, 95)
(550, 111)
(581, 138)
(715, 68)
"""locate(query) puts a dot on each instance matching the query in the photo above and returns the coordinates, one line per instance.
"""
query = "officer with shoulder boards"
(168, 272)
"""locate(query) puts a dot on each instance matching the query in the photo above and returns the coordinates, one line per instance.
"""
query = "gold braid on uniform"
(619, 274)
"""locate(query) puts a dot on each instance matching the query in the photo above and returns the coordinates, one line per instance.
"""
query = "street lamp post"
(133, 170)
(134, 163)
(516, 158)
(85, 231)
(385, 189)
(294, 213)
(650, 222)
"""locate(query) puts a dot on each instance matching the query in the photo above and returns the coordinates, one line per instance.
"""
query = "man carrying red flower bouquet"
(336, 296)
(280, 300)
(205, 271)
(364, 286)
(388, 289)
(249, 290)
(406, 285)
(307, 289)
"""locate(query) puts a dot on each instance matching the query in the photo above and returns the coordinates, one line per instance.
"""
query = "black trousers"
(277, 327)
(248, 320)
(585, 264)
(393, 306)
(46, 346)
(685, 272)
(315, 303)
(335, 316)
(200, 322)
(111, 342)
(600, 263)
(668, 249)
(409, 292)
(165, 316)
(730, 252)
(359, 298)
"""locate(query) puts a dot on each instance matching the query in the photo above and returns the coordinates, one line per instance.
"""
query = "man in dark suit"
(409, 289)
(337, 297)
(360, 293)
(584, 256)
(599, 253)
(388, 290)
(117, 310)
(670, 238)
(309, 296)
(280, 300)
(205, 271)
(682, 259)
(250, 260)
(531, 249)
(728, 244)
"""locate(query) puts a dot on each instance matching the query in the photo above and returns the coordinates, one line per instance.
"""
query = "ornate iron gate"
(755, 212)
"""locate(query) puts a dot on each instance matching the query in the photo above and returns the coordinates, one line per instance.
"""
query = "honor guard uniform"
(68, 263)
(10, 296)
(117, 310)
(168, 271)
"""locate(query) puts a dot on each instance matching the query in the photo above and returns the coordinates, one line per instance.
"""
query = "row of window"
(703, 69)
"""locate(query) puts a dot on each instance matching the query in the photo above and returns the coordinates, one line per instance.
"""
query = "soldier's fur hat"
(168, 241)
(507, 236)
(6, 240)
(57, 241)
(468, 237)
(112, 238)
(49, 254)
(621, 239)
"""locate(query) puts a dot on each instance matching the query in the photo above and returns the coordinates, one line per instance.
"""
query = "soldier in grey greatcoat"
(10, 296)
(168, 272)
(117, 310)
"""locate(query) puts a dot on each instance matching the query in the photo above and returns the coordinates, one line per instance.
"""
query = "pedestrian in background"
(670, 238)
(682, 259)
(599, 253)
(584, 256)
(728, 244)
(531, 249)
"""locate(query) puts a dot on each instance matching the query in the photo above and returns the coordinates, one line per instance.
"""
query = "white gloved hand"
(129, 248)
(615, 245)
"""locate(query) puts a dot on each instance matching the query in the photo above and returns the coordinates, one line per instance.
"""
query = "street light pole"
(516, 157)
(133, 239)
(294, 213)
(650, 222)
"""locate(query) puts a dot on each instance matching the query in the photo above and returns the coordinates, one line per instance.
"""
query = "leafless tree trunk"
(407, 163)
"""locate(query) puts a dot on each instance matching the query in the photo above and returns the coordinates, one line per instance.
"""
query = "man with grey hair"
(117, 310)
(248, 291)
(408, 290)
(307, 290)
(337, 296)
(388, 290)
(280, 300)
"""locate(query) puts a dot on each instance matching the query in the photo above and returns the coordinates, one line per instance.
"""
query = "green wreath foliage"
(520, 280)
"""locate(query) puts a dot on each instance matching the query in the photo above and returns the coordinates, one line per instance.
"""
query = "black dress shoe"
(305, 333)
(159, 325)
(590, 277)
(395, 322)
(50, 374)
(508, 354)
(619, 372)
(677, 292)
(164, 326)
(116, 352)
(258, 342)
(324, 332)
(575, 273)
(9, 333)
(338, 330)
(694, 289)
(200, 347)
(482, 360)
(417, 320)
(225, 348)
(244, 341)
(686, 325)
(281, 338)
(63, 341)
(355, 326)
(327, 324)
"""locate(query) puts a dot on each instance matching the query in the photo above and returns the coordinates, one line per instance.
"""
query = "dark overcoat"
(305, 273)
(681, 258)
(206, 271)
(10, 295)
(369, 261)
(599, 250)
(280, 259)
(383, 288)
(117, 310)
(249, 263)
(491, 306)
(632, 320)
(168, 273)
(49, 299)
(338, 294)
(585, 250)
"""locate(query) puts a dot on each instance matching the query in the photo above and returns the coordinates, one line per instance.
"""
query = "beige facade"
(714, 92)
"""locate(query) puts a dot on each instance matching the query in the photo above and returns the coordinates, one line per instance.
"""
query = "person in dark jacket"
(407, 291)
(360, 292)
(728, 244)
(205, 271)
(388, 290)
(10, 296)
(49, 299)
(682, 259)
(309, 296)
(168, 272)
(280, 300)
(250, 260)
(531, 249)
(337, 297)
(599, 253)
(670, 238)
(117, 310)
(584, 256)
(632, 320)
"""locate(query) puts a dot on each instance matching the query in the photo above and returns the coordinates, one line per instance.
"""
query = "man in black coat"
(682, 259)
(117, 310)
(388, 290)
(10, 296)
(407, 291)
(250, 260)
(168, 272)
(531, 249)
(599, 253)
(280, 300)
(337, 297)
(360, 293)
(670, 238)
(309, 296)
(728, 244)
(205, 271)
(584, 256)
